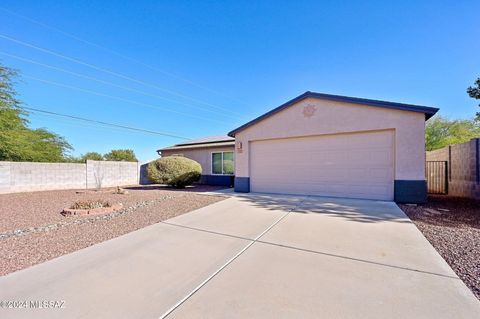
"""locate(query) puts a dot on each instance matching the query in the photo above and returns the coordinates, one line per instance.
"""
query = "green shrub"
(176, 171)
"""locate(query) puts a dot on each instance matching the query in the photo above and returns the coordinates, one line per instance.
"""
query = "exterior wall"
(28, 176)
(204, 157)
(331, 117)
(463, 167)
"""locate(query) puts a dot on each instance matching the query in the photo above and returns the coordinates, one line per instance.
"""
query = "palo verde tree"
(18, 142)
(91, 156)
(440, 132)
(474, 92)
(121, 155)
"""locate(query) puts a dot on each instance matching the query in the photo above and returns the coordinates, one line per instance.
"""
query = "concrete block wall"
(438, 155)
(463, 170)
(28, 176)
(143, 174)
(4, 177)
(108, 174)
(464, 165)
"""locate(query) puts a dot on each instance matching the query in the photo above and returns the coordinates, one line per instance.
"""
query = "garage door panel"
(364, 174)
(336, 190)
(381, 174)
(358, 165)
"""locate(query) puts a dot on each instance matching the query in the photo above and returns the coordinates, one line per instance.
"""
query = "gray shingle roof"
(222, 140)
(207, 139)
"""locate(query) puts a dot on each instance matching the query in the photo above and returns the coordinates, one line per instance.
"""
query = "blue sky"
(217, 64)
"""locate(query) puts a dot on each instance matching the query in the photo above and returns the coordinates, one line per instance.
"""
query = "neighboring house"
(330, 145)
(215, 154)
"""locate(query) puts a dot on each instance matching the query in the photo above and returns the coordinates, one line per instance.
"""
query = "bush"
(176, 171)
(121, 155)
(91, 156)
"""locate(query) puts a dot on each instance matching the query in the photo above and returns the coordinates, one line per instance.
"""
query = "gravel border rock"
(50, 235)
(452, 226)
(114, 214)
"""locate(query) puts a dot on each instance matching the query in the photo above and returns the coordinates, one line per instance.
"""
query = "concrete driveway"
(259, 256)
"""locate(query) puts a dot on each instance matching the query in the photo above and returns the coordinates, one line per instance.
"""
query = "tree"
(474, 92)
(121, 155)
(18, 142)
(91, 156)
(440, 132)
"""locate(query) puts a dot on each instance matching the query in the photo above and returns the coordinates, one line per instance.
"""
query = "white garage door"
(356, 165)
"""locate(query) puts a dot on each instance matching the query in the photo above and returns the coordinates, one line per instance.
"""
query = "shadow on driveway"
(356, 210)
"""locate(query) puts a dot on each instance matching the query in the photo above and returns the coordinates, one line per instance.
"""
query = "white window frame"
(211, 163)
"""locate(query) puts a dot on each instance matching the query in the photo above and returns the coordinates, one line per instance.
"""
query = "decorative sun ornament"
(309, 110)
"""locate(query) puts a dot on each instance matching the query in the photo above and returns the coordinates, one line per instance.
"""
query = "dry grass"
(90, 204)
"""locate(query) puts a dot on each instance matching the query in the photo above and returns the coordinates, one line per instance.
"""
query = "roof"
(428, 111)
(208, 141)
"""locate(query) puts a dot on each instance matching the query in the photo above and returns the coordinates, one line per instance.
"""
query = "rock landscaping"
(90, 207)
(32, 230)
(452, 225)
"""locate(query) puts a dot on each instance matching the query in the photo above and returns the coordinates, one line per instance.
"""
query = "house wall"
(463, 167)
(332, 117)
(29, 176)
(204, 157)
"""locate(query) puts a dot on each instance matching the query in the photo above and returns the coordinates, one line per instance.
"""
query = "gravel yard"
(452, 225)
(32, 230)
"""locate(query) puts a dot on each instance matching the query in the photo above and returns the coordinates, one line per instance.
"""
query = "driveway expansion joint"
(206, 231)
(292, 210)
(356, 259)
(310, 250)
(202, 284)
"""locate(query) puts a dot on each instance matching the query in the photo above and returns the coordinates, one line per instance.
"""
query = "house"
(330, 145)
(215, 155)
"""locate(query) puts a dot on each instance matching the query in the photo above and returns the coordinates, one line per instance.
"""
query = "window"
(223, 163)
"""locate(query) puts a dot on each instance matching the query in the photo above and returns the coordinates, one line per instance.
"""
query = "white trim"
(211, 163)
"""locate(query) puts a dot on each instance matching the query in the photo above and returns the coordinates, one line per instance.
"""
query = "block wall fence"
(463, 167)
(29, 176)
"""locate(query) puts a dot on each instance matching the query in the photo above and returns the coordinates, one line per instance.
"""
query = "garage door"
(358, 165)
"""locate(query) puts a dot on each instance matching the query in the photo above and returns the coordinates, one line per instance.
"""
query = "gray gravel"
(453, 228)
(41, 210)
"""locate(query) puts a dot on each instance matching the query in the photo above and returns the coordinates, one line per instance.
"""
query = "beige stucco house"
(329, 145)
(214, 153)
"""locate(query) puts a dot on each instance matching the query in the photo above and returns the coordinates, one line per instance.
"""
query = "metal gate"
(437, 177)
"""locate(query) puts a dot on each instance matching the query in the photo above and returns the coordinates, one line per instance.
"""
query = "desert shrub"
(121, 155)
(91, 156)
(176, 171)
(90, 204)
